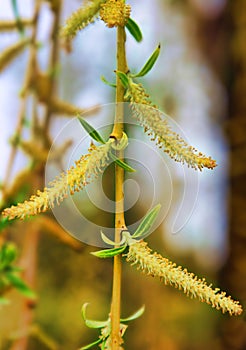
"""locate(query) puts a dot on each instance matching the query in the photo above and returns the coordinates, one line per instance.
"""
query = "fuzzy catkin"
(81, 18)
(74, 180)
(150, 118)
(115, 13)
(157, 266)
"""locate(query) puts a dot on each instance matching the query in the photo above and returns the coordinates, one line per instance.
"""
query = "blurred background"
(199, 80)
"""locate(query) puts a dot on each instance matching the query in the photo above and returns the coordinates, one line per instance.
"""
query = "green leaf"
(8, 254)
(107, 240)
(134, 316)
(107, 82)
(109, 253)
(110, 242)
(95, 324)
(149, 64)
(147, 222)
(122, 164)
(123, 78)
(17, 17)
(4, 301)
(4, 222)
(134, 30)
(98, 341)
(103, 345)
(17, 282)
(91, 131)
(91, 323)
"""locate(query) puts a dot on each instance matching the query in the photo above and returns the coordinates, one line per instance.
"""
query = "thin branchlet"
(81, 18)
(74, 180)
(155, 126)
(11, 52)
(154, 264)
(41, 154)
(9, 25)
(42, 87)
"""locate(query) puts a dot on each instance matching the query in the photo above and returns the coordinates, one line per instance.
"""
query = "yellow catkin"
(155, 126)
(9, 54)
(155, 265)
(74, 180)
(81, 18)
(115, 13)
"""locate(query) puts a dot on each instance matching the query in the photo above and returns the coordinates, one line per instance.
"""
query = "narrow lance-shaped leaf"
(134, 316)
(107, 82)
(123, 78)
(149, 64)
(17, 282)
(91, 131)
(147, 222)
(109, 253)
(122, 164)
(8, 254)
(89, 346)
(4, 222)
(91, 323)
(110, 242)
(103, 345)
(134, 30)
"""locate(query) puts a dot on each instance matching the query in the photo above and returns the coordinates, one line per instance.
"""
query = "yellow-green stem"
(119, 192)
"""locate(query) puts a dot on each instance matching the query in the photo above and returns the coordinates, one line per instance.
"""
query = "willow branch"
(54, 56)
(29, 260)
(27, 81)
(119, 192)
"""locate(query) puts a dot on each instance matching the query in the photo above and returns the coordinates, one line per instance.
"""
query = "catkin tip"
(75, 179)
(158, 129)
(115, 13)
(154, 264)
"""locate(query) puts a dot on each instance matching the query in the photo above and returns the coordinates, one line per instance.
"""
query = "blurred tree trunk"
(232, 276)
(223, 42)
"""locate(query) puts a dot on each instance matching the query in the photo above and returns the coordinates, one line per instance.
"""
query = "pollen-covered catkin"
(81, 18)
(154, 125)
(115, 13)
(75, 179)
(155, 265)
